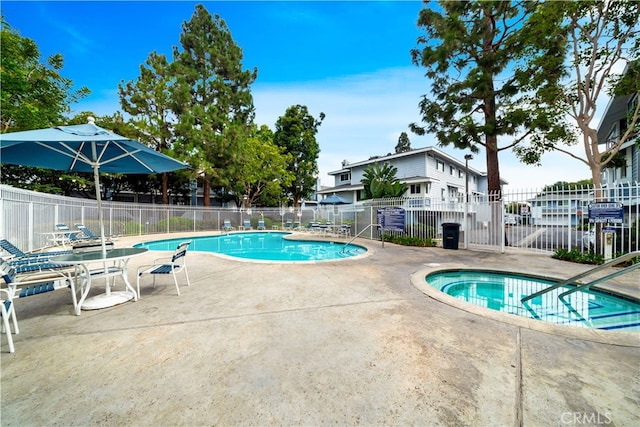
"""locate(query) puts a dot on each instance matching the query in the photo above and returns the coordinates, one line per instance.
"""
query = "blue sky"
(349, 60)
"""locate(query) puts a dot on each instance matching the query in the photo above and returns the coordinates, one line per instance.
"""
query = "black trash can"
(450, 235)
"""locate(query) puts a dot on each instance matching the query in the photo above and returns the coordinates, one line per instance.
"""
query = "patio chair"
(173, 265)
(7, 310)
(287, 225)
(246, 224)
(261, 225)
(226, 225)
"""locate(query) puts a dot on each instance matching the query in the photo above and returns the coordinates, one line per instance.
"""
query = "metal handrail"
(600, 280)
(357, 235)
(571, 280)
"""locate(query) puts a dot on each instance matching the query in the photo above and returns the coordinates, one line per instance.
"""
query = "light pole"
(467, 157)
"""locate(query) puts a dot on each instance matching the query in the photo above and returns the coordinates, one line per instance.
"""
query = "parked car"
(512, 219)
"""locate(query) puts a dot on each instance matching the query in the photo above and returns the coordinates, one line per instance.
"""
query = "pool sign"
(606, 213)
(391, 219)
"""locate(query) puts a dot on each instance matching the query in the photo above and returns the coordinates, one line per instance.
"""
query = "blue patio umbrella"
(84, 148)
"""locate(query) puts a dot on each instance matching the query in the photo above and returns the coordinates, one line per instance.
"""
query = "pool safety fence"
(523, 220)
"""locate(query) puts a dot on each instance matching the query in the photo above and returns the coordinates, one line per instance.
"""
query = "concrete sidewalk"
(356, 341)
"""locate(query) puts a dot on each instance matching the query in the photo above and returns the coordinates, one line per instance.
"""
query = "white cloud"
(367, 113)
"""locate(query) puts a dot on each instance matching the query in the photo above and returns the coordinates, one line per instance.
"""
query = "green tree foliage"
(473, 52)
(380, 181)
(148, 100)
(263, 169)
(601, 36)
(564, 185)
(211, 99)
(33, 94)
(403, 144)
(296, 134)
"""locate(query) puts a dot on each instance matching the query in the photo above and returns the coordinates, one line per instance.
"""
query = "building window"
(460, 173)
(414, 189)
(451, 170)
(440, 165)
(443, 194)
(345, 177)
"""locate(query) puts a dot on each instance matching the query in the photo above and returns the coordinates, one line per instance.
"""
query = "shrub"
(408, 240)
(574, 255)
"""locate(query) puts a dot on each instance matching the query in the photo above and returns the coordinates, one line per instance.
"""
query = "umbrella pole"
(108, 299)
(96, 179)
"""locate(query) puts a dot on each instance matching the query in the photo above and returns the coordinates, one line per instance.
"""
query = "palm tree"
(380, 182)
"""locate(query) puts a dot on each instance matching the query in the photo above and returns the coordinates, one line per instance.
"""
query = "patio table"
(118, 258)
(59, 237)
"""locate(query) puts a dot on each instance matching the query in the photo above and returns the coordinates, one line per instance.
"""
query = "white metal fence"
(523, 220)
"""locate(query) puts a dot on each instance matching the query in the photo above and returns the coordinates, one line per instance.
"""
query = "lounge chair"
(261, 225)
(87, 234)
(22, 285)
(296, 225)
(8, 311)
(16, 253)
(287, 225)
(246, 224)
(33, 262)
(173, 265)
(226, 225)
(70, 236)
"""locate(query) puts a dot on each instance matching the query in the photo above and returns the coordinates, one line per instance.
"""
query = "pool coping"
(628, 339)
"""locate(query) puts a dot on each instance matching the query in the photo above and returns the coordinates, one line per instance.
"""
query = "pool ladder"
(587, 285)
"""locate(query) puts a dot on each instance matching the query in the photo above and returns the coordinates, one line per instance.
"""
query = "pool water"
(503, 292)
(264, 246)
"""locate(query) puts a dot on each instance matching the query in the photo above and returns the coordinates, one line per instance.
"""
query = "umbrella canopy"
(84, 148)
(334, 199)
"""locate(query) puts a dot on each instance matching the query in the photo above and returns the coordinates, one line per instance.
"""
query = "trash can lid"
(450, 224)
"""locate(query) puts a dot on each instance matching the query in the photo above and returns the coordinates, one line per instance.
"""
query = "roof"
(616, 110)
(413, 152)
(360, 186)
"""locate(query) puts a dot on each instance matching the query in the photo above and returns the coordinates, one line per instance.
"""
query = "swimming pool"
(503, 291)
(262, 246)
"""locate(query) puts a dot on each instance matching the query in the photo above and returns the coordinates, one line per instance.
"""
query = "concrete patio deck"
(350, 342)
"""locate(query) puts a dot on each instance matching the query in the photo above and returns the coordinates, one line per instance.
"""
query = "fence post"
(31, 226)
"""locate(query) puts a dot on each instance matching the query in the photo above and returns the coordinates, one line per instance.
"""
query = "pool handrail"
(573, 279)
(585, 286)
(358, 234)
